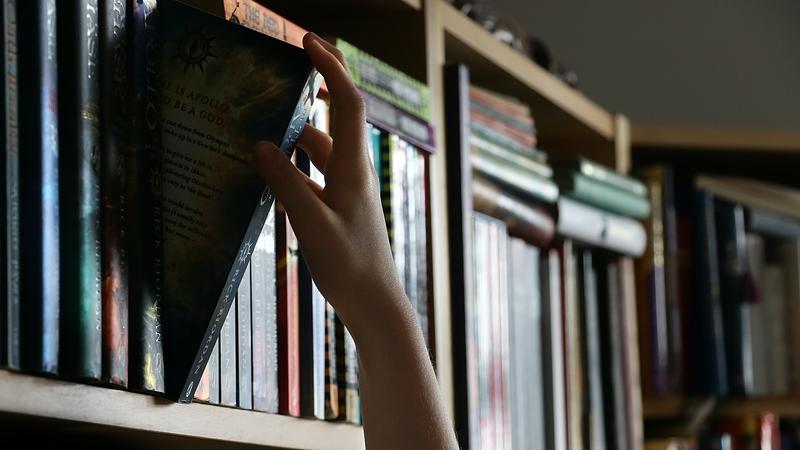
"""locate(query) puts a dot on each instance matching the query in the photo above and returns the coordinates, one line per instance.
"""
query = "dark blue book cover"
(731, 244)
(223, 88)
(143, 206)
(39, 181)
(707, 352)
(81, 278)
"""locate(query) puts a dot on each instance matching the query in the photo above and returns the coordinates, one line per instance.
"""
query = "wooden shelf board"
(671, 407)
(29, 395)
(561, 112)
(325, 5)
(645, 137)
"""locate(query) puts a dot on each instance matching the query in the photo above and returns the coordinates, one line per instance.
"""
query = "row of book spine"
(719, 291)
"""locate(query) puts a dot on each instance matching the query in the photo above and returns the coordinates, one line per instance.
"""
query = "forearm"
(401, 402)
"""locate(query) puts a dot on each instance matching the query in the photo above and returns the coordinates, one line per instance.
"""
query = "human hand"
(340, 227)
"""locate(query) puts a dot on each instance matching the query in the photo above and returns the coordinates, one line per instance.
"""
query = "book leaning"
(222, 89)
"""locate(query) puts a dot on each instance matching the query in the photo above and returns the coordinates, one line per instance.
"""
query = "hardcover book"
(10, 238)
(223, 87)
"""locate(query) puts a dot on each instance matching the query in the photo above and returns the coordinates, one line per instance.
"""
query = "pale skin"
(343, 239)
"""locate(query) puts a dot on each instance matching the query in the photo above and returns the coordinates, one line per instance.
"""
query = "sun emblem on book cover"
(194, 49)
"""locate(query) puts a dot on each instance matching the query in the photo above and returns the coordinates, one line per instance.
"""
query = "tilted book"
(223, 88)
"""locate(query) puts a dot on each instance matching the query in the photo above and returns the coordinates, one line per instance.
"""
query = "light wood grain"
(56, 399)
(645, 137)
(487, 56)
(754, 194)
(622, 144)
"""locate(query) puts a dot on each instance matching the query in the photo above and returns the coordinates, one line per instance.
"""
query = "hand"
(340, 227)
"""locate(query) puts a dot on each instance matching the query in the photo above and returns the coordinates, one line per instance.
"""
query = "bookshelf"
(676, 406)
(418, 37)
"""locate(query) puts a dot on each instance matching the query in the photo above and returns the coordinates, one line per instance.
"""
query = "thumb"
(289, 185)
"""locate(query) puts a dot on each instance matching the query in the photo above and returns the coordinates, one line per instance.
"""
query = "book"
(599, 228)
(771, 224)
(753, 194)
(115, 136)
(553, 350)
(519, 180)
(573, 347)
(495, 137)
(347, 368)
(525, 346)
(10, 261)
(488, 148)
(227, 360)
(525, 220)
(594, 412)
(394, 120)
(39, 156)
(244, 343)
(332, 375)
(651, 288)
(213, 376)
(789, 259)
(633, 398)
(4, 337)
(731, 245)
(265, 325)
(80, 205)
(507, 106)
(214, 202)
(520, 123)
(286, 253)
(145, 262)
(386, 82)
(602, 174)
(708, 351)
(602, 195)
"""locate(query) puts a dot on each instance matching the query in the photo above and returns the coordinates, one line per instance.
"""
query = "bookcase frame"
(419, 37)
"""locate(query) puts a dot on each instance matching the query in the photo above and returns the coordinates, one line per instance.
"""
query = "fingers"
(330, 63)
(317, 146)
(302, 204)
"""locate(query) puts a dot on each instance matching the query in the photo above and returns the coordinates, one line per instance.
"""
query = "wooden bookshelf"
(29, 395)
(651, 137)
(671, 407)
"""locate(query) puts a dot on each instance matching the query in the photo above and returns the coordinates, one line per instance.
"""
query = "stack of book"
(148, 256)
(548, 315)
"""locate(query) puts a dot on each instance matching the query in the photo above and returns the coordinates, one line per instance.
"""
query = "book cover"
(223, 87)
(115, 134)
(382, 80)
(80, 206)
(731, 245)
(707, 354)
(10, 351)
(602, 195)
(227, 360)
(244, 345)
(146, 355)
(553, 351)
(523, 219)
(39, 181)
(524, 182)
(265, 325)
(599, 228)
(286, 253)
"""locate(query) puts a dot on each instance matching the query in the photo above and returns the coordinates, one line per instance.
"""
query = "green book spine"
(605, 196)
(487, 148)
(495, 137)
(605, 175)
(386, 82)
(525, 182)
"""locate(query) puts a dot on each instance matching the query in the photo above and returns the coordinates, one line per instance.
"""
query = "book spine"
(227, 360)
(594, 416)
(146, 360)
(396, 121)
(256, 17)
(731, 245)
(510, 157)
(420, 216)
(520, 123)
(331, 373)
(213, 376)
(708, 353)
(790, 259)
(675, 325)
(554, 386)
(495, 137)
(116, 134)
(573, 347)
(10, 260)
(386, 82)
(593, 226)
(244, 345)
(351, 383)
(259, 216)
(605, 196)
(523, 181)
(265, 338)
(81, 325)
(503, 105)
(630, 350)
(287, 309)
(39, 182)
(523, 138)
(4, 336)
(605, 175)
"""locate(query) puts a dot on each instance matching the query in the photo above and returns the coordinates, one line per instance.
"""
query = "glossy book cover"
(223, 88)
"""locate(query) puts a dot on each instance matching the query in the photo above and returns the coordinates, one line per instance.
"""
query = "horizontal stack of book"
(94, 241)
(548, 317)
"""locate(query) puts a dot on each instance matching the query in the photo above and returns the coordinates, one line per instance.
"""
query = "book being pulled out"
(222, 89)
